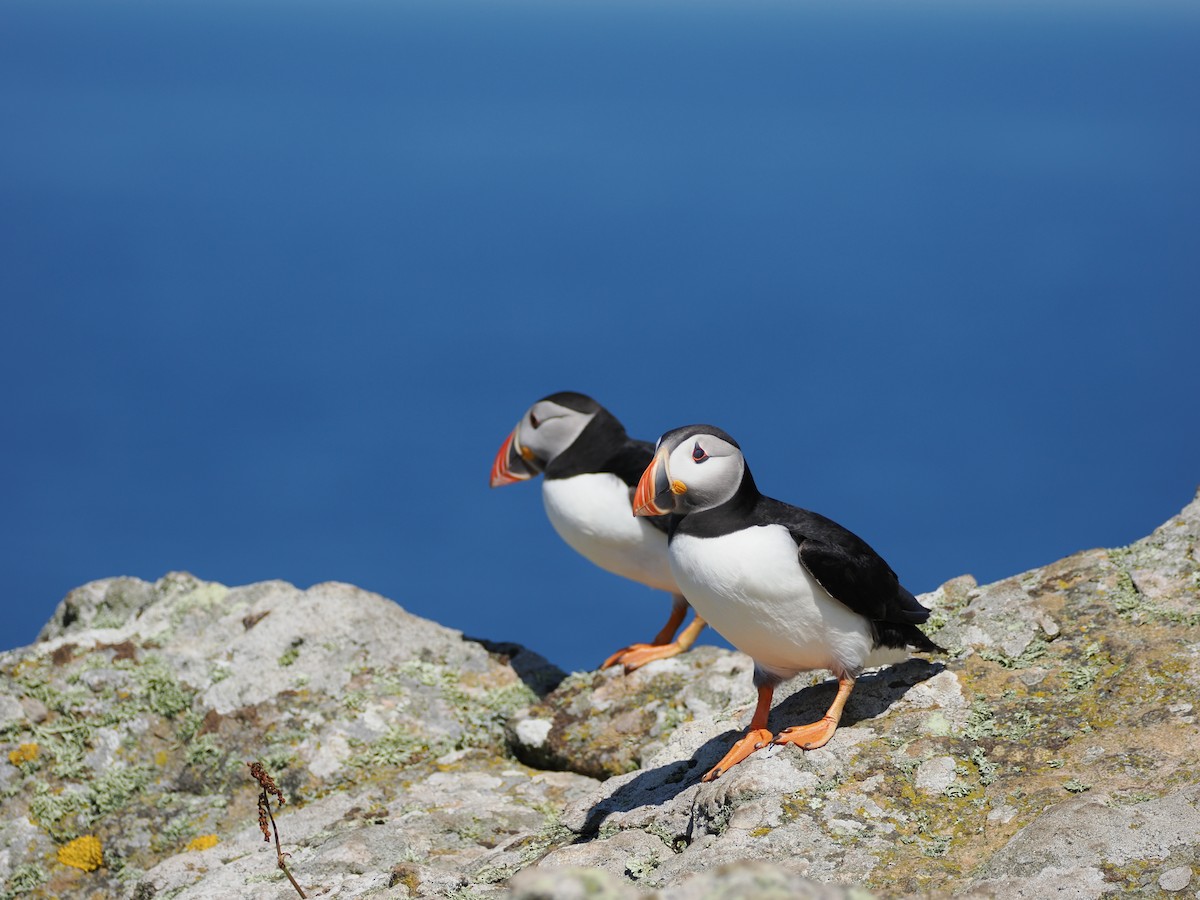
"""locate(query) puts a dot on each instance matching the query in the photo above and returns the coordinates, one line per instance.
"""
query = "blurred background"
(277, 278)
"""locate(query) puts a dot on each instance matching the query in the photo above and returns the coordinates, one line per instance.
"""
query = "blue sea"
(278, 278)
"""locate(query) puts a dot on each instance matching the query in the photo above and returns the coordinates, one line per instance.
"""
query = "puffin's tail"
(911, 610)
(918, 640)
(903, 635)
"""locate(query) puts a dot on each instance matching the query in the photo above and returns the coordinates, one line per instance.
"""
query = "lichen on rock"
(84, 853)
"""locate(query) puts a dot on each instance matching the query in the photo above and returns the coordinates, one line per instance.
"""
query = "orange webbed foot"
(808, 737)
(618, 655)
(754, 739)
(637, 655)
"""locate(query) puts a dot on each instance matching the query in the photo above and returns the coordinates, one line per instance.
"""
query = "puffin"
(590, 467)
(791, 588)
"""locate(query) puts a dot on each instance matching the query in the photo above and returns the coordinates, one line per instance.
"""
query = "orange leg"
(637, 655)
(817, 734)
(679, 608)
(756, 737)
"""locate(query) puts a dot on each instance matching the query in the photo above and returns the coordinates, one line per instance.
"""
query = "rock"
(549, 883)
(762, 881)
(381, 728)
(1175, 879)
(935, 775)
(1099, 840)
(1051, 751)
(607, 723)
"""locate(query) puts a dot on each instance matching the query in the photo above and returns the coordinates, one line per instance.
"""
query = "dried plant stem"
(259, 774)
(278, 851)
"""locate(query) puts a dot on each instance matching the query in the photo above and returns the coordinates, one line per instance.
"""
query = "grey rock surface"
(1088, 841)
(1051, 752)
(384, 730)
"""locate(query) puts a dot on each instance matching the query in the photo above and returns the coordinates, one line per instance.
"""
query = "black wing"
(846, 566)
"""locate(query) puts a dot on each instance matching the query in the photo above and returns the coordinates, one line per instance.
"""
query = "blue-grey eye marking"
(698, 453)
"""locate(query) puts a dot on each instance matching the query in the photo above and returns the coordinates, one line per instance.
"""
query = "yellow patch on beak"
(678, 487)
(526, 454)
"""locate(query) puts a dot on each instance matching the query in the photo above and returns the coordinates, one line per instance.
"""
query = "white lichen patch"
(935, 775)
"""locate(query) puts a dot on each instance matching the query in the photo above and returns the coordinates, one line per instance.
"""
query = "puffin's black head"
(694, 468)
(548, 428)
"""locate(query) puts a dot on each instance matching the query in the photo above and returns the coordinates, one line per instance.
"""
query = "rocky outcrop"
(131, 720)
(1052, 750)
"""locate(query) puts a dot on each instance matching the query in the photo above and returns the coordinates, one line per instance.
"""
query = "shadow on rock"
(873, 694)
(539, 674)
(655, 787)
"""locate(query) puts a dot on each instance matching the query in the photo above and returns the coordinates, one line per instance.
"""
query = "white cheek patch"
(709, 482)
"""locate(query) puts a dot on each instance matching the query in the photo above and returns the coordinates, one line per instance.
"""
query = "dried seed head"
(262, 817)
(260, 774)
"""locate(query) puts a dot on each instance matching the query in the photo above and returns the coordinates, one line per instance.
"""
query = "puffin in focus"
(790, 588)
(591, 467)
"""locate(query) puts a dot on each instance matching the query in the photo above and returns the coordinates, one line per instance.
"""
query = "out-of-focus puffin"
(790, 588)
(591, 467)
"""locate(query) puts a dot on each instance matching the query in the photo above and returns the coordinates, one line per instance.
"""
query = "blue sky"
(279, 278)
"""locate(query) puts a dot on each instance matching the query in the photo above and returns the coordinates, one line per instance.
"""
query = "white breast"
(594, 514)
(750, 586)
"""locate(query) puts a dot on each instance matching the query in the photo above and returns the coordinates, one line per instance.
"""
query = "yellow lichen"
(82, 853)
(23, 754)
(203, 842)
(161, 758)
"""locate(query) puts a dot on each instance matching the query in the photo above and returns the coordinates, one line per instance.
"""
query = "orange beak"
(513, 463)
(654, 495)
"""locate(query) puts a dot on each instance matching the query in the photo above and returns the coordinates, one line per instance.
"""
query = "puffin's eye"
(533, 420)
(698, 454)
